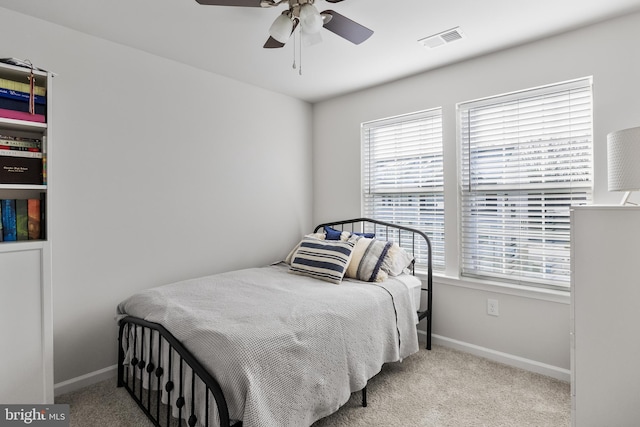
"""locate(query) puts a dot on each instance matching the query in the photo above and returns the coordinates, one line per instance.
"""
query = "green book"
(22, 219)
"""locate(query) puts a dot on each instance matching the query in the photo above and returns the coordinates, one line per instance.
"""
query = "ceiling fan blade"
(243, 3)
(345, 27)
(334, 1)
(272, 43)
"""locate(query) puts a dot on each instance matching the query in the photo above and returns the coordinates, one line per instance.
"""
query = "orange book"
(33, 224)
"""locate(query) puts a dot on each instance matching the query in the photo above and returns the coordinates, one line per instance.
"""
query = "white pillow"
(396, 260)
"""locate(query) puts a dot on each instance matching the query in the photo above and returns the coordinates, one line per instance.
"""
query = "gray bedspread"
(286, 349)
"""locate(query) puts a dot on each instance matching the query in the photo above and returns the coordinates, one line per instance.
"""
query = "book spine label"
(20, 153)
(19, 143)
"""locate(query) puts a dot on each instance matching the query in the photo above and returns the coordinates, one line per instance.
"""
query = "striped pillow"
(322, 259)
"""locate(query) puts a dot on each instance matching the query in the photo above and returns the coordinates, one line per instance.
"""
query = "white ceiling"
(228, 40)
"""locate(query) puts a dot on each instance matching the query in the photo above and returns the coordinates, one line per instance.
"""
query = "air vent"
(442, 38)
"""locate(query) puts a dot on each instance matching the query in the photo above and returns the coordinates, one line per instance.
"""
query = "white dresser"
(605, 310)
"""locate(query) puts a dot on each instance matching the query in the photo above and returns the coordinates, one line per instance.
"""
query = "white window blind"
(402, 178)
(526, 159)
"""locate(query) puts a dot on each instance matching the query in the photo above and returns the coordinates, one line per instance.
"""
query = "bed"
(278, 345)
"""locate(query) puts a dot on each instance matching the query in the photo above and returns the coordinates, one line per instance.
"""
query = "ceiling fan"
(305, 14)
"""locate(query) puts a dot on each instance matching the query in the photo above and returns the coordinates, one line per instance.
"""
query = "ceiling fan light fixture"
(282, 27)
(310, 39)
(310, 19)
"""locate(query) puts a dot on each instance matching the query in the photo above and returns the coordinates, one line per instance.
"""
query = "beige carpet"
(441, 387)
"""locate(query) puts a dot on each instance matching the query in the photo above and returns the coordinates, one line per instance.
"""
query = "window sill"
(558, 296)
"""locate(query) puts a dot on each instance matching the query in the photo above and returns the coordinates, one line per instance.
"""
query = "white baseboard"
(505, 358)
(85, 380)
(508, 359)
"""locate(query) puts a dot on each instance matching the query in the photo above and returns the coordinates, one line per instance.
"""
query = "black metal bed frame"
(156, 370)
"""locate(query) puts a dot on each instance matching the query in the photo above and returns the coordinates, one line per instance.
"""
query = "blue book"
(19, 105)
(9, 230)
(21, 96)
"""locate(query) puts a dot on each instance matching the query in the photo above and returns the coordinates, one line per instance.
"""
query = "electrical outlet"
(492, 307)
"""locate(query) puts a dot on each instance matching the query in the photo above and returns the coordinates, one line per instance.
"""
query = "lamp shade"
(310, 19)
(281, 28)
(623, 159)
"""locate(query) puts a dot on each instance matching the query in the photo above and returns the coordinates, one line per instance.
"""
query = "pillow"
(366, 260)
(375, 260)
(333, 234)
(319, 236)
(367, 235)
(323, 259)
(396, 260)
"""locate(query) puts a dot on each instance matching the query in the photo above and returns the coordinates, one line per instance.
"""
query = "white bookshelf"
(26, 324)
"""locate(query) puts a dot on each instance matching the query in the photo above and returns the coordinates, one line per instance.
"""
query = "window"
(526, 159)
(403, 176)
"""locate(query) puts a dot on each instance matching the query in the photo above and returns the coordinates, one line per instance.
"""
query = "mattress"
(412, 283)
(279, 340)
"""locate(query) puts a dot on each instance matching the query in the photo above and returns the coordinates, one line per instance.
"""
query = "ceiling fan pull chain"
(300, 54)
(294, 51)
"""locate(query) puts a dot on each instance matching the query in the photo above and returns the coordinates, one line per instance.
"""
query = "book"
(20, 105)
(33, 221)
(22, 87)
(20, 170)
(20, 153)
(21, 115)
(1, 238)
(20, 138)
(14, 148)
(22, 96)
(28, 144)
(9, 232)
(43, 219)
(22, 220)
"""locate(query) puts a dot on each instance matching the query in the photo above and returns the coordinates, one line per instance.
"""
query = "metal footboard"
(406, 237)
(165, 380)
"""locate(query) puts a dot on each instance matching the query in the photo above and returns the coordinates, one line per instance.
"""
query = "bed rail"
(395, 232)
(148, 374)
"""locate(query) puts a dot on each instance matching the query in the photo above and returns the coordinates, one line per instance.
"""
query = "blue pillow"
(333, 234)
(367, 235)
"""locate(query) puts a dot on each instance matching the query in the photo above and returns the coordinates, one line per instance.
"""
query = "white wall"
(530, 326)
(158, 172)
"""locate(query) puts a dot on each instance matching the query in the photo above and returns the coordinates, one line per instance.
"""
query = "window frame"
(430, 196)
(463, 108)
